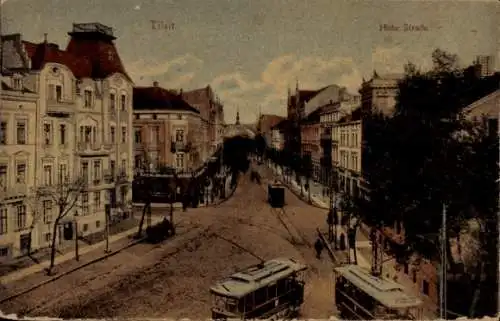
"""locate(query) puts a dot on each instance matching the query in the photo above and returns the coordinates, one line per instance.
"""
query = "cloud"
(393, 59)
(174, 73)
(270, 91)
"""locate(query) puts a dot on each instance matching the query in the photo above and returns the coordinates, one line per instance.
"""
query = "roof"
(255, 277)
(313, 117)
(88, 55)
(354, 116)
(267, 122)
(283, 124)
(159, 98)
(385, 291)
(7, 87)
(488, 105)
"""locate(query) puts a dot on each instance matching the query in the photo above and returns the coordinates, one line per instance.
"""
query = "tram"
(271, 290)
(362, 296)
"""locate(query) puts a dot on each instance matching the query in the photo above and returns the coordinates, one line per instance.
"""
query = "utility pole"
(377, 253)
(443, 278)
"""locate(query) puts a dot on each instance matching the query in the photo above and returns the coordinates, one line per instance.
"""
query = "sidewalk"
(22, 273)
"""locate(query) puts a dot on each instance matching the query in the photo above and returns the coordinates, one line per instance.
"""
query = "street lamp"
(77, 256)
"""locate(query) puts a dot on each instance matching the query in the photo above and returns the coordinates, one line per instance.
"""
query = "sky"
(252, 51)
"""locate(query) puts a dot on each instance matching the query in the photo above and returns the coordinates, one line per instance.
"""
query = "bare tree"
(146, 189)
(64, 195)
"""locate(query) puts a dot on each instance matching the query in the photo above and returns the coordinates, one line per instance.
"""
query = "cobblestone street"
(172, 279)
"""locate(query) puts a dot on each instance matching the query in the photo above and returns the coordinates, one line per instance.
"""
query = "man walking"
(318, 246)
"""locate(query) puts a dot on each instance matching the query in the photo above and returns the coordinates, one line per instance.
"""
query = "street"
(172, 279)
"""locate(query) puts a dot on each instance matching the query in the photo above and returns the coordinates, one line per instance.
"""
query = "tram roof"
(257, 276)
(391, 294)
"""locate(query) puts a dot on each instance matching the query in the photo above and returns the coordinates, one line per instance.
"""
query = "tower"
(238, 117)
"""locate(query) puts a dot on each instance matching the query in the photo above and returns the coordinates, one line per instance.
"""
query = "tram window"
(271, 291)
(425, 287)
(260, 296)
(231, 305)
(241, 305)
(281, 286)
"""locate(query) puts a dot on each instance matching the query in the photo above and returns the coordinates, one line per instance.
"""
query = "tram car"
(361, 296)
(276, 195)
(271, 290)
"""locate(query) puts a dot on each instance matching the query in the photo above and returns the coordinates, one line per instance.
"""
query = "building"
(278, 134)
(265, 125)
(485, 111)
(330, 114)
(296, 111)
(167, 131)
(310, 141)
(212, 114)
(18, 119)
(82, 128)
(485, 65)
(380, 92)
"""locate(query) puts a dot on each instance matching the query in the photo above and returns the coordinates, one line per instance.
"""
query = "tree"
(307, 167)
(416, 161)
(65, 195)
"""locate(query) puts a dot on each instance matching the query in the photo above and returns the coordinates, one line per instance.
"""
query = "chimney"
(155, 84)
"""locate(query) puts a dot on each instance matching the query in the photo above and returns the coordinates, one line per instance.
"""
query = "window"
(47, 175)
(21, 173)
(62, 134)
(112, 167)
(112, 102)
(124, 165)
(123, 102)
(63, 175)
(179, 135)
(3, 220)
(180, 160)
(414, 276)
(97, 200)
(138, 161)
(47, 133)
(21, 216)
(3, 177)
(405, 267)
(88, 98)
(18, 84)
(85, 203)
(86, 134)
(59, 93)
(48, 237)
(94, 134)
(137, 135)
(85, 227)
(425, 287)
(155, 135)
(97, 171)
(97, 224)
(85, 171)
(124, 134)
(21, 132)
(47, 211)
(3, 133)
(112, 134)
(354, 159)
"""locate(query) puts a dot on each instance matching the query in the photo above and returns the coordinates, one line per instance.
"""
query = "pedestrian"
(318, 246)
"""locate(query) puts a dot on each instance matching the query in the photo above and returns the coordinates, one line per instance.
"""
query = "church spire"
(238, 116)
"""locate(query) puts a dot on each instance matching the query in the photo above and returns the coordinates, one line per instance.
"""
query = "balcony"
(18, 190)
(90, 149)
(59, 107)
(109, 177)
(122, 177)
(180, 146)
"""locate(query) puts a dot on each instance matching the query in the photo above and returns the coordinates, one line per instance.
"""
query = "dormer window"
(17, 83)
(88, 98)
(58, 92)
(123, 102)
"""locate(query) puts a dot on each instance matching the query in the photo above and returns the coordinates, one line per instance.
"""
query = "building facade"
(18, 119)
(265, 125)
(167, 131)
(380, 92)
(485, 65)
(82, 129)
(212, 114)
(310, 144)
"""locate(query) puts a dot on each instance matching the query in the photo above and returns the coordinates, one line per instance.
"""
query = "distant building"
(380, 92)
(212, 113)
(265, 125)
(485, 65)
(485, 112)
(310, 141)
(167, 131)
(66, 113)
(278, 135)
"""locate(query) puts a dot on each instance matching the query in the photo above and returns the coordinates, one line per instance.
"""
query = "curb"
(331, 252)
(101, 258)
